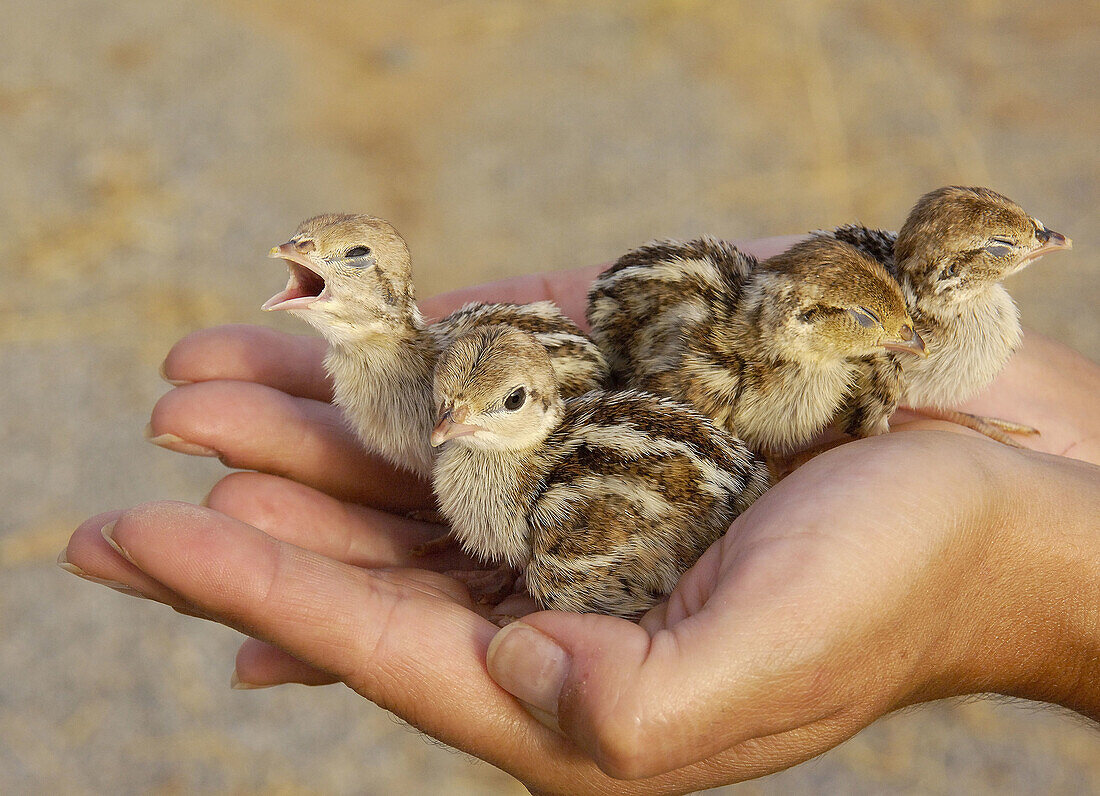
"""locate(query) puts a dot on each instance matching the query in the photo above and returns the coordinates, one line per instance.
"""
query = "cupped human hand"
(310, 553)
(886, 572)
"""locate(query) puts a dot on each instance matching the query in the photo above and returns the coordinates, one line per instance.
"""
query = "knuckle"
(622, 741)
(237, 495)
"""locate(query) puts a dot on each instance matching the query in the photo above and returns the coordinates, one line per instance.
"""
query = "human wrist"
(1035, 586)
(1063, 534)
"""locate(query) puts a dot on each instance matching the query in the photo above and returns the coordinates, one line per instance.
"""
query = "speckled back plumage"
(579, 365)
(638, 488)
(642, 301)
(622, 497)
(686, 320)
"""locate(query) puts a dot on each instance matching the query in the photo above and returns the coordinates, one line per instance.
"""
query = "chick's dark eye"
(358, 251)
(948, 272)
(515, 399)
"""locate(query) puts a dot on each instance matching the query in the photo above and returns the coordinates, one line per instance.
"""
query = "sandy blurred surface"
(152, 152)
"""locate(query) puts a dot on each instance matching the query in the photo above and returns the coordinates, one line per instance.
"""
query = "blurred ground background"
(151, 153)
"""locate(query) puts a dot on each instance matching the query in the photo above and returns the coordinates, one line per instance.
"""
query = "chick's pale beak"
(912, 343)
(450, 425)
(1051, 241)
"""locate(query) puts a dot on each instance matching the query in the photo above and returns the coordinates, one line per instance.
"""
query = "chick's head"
(349, 275)
(961, 240)
(823, 300)
(495, 390)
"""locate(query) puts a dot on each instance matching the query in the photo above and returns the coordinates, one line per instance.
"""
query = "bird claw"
(440, 544)
(1008, 426)
(487, 587)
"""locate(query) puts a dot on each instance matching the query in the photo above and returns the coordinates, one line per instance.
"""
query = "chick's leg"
(992, 427)
(440, 544)
(780, 465)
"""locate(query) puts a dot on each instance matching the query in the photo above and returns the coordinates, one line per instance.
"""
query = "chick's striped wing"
(638, 488)
(641, 307)
(579, 365)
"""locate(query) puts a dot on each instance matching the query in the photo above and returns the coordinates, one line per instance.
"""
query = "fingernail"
(178, 444)
(65, 564)
(237, 684)
(532, 667)
(173, 382)
(121, 588)
(106, 532)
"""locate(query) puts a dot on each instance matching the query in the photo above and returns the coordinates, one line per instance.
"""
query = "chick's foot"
(992, 427)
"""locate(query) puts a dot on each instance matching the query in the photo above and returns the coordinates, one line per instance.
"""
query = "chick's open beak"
(911, 343)
(305, 285)
(450, 425)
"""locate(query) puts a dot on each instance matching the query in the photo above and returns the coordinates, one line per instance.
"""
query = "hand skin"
(886, 572)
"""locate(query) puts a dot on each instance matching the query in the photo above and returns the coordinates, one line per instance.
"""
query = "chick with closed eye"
(600, 501)
(950, 257)
(771, 351)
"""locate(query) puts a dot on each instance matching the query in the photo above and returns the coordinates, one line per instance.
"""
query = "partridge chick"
(350, 277)
(602, 501)
(768, 350)
(950, 257)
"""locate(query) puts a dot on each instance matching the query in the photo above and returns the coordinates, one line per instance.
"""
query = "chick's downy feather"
(603, 500)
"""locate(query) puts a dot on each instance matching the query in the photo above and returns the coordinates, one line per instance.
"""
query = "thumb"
(637, 704)
(642, 705)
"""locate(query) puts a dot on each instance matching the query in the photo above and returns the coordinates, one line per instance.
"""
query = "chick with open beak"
(351, 278)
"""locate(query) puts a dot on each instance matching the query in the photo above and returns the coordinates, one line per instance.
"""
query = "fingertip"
(166, 376)
(529, 665)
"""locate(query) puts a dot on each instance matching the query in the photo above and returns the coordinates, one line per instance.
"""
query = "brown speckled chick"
(950, 257)
(350, 276)
(769, 350)
(602, 501)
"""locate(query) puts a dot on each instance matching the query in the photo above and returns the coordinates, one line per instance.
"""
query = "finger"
(262, 665)
(643, 705)
(240, 352)
(348, 532)
(255, 427)
(89, 556)
(402, 645)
